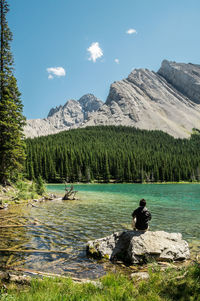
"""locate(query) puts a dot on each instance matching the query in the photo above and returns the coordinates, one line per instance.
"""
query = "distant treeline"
(105, 153)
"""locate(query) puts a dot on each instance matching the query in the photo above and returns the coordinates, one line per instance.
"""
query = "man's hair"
(143, 202)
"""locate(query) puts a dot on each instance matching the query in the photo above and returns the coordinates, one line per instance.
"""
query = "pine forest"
(113, 154)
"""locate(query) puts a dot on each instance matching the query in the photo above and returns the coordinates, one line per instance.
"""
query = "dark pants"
(134, 227)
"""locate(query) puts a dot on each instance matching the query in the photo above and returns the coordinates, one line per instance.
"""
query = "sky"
(64, 49)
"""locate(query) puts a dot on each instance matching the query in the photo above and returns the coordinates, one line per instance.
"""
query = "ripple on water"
(101, 210)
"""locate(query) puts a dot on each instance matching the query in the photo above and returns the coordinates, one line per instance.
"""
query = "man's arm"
(134, 214)
(149, 215)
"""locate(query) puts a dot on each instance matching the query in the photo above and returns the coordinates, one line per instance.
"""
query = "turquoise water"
(174, 207)
(99, 211)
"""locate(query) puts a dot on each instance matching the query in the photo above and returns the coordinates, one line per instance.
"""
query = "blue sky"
(52, 38)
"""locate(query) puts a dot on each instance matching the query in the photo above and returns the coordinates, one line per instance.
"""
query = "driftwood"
(14, 264)
(37, 272)
(70, 193)
(34, 205)
(18, 226)
(9, 259)
(32, 251)
(19, 279)
(11, 216)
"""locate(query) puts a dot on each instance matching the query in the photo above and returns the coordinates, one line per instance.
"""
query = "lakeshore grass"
(165, 285)
(21, 191)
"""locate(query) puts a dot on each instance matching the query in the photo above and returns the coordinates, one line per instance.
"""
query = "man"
(141, 217)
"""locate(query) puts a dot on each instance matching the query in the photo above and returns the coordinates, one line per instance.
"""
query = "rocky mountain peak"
(53, 111)
(89, 104)
(167, 100)
(184, 77)
(88, 100)
(72, 114)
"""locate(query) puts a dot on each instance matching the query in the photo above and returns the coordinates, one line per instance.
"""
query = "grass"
(183, 285)
(21, 190)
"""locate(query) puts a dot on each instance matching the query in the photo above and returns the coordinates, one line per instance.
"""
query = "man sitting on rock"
(141, 217)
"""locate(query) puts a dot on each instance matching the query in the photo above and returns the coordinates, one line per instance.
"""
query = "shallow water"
(100, 210)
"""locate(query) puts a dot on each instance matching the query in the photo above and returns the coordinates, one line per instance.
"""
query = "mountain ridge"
(64, 117)
(167, 100)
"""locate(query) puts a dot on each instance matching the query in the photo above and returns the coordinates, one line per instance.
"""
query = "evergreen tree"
(106, 172)
(127, 171)
(40, 187)
(12, 147)
(118, 154)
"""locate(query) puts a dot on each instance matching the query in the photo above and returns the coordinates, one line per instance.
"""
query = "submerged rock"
(3, 206)
(140, 247)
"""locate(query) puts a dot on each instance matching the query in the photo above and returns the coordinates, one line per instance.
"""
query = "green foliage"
(12, 146)
(196, 131)
(109, 153)
(25, 190)
(185, 286)
(40, 187)
(22, 190)
(171, 285)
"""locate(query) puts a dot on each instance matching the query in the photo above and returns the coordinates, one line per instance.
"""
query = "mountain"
(184, 77)
(167, 100)
(61, 118)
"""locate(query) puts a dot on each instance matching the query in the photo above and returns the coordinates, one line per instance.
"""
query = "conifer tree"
(40, 187)
(12, 153)
(105, 153)
(106, 172)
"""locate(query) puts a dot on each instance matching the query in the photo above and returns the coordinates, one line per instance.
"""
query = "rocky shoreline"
(10, 196)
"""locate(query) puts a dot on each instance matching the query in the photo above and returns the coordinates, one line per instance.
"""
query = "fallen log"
(9, 259)
(45, 274)
(32, 251)
(18, 226)
(19, 279)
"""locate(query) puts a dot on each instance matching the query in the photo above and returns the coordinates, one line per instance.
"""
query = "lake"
(100, 210)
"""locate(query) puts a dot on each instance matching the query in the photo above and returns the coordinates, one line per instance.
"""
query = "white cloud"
(50, 76)
(117, 61)
(131, 31)
(56, 71)
(95, 52)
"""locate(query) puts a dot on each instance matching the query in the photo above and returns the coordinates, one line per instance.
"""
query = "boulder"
(3, 206)
(140, 275)
(140, 247)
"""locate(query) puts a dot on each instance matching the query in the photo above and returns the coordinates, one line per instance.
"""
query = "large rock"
(139, 247)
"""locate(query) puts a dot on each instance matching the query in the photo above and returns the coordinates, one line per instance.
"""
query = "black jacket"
(143, 216)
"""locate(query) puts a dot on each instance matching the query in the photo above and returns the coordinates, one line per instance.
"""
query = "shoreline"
(135, 183)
